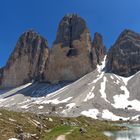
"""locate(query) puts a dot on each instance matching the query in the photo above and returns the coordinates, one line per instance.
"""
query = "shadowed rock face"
(72, 55)
(27, 61)
(1, 75)
(99, 47)
(123, 57)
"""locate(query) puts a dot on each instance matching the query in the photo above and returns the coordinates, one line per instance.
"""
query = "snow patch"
(101, 67)
(121, 101)
(125, 91)
(135, 118)
(2, 100)
(112, 77)
(40, 107)
(97, 79)
(102, 90)
(53, 101)
(90, 95)
(109, 134)
(71, 105)
(91, 113)
(25, 107)
(117, 82)
(125, 80)
(106, 114)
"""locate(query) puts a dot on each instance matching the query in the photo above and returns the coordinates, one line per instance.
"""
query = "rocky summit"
(27, 61)
(123, 56)
(72, 55)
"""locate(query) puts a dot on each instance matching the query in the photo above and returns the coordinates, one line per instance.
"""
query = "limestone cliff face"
(27, 61)
(99, 47)
(124, 56)
(72, 55)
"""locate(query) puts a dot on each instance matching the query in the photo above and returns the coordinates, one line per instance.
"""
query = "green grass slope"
(42, 127)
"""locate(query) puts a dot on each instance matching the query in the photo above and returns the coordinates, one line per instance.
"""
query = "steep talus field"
(98, 95)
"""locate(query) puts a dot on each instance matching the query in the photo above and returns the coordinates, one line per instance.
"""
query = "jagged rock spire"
(99, 47)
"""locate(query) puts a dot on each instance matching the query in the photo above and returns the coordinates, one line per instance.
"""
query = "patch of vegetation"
(94, 130)
(58, 131)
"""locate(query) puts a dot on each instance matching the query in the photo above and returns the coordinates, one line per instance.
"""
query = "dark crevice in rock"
(72, 52)
(70, 30)
(99, 47)
(1, 75)
(91, 58)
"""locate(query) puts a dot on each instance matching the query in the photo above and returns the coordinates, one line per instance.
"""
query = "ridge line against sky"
(108, 17)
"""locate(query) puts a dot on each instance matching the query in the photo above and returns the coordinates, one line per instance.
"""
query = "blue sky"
(109, 17)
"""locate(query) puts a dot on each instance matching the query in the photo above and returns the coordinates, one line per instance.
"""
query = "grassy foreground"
(41, 127)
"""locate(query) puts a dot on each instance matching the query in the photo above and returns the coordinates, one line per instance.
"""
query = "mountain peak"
(72, 54)
(123, 56)
(128, 35)
(28, 60)
(71, 15)
(30, 36)
(126, 31)
(70, 28)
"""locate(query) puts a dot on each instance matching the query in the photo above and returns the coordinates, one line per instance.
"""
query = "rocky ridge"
(72, 56)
